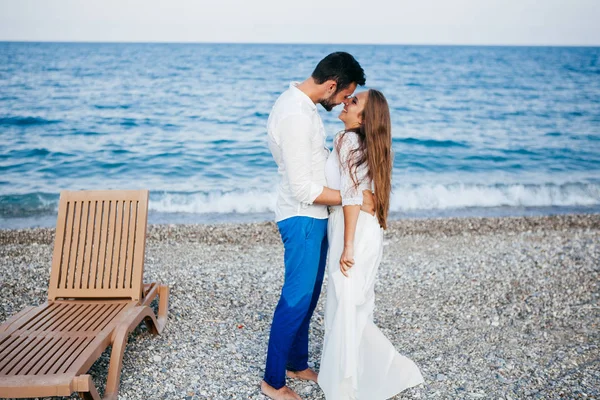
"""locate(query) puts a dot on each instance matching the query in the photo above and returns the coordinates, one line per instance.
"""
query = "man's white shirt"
(297, 142)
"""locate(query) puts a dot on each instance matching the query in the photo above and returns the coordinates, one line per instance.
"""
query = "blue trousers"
(305, 256)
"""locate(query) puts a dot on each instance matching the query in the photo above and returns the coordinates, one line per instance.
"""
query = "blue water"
(477, 130)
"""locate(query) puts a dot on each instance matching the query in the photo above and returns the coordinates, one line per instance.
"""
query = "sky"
(471, 22)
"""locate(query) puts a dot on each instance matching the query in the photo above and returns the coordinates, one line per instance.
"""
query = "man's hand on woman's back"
(368, 204)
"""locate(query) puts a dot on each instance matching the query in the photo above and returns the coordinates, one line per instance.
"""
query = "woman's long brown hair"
(375, 139)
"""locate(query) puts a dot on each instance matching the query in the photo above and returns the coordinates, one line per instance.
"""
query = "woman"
(358, 361)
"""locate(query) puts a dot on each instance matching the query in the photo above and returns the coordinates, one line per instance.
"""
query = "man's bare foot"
(285, 393)
(307, 375)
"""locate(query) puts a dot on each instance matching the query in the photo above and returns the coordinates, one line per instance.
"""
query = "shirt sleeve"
(296, 151)
(350, 191)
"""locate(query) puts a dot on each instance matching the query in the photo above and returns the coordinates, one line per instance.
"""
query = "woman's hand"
(347, 259)
(350, 219)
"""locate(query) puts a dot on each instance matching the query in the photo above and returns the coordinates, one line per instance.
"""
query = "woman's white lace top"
(339, 176)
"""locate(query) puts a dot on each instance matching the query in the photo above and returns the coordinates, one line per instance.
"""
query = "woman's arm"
(350, 219)
(352, 198)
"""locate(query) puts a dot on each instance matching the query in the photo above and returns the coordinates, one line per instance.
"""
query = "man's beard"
(328, 103)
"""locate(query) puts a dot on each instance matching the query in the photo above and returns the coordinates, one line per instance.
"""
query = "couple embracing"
(333, 202)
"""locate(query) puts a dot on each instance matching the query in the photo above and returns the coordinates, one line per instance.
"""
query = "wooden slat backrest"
(99, 246)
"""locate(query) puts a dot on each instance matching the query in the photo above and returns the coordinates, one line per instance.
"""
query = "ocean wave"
(242, 202)
(459, 195)
(30, 204)
(430, 142)
(112, 106)
(405, 198)
(25, 121)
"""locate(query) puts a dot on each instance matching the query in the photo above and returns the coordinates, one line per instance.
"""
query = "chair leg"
(118, 347)
(85, 388)
(89, 396)
(162, 291)
(163, 307)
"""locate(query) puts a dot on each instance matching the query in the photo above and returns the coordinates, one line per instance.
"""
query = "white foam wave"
(404, 198)
(216, 202)
(443, 197)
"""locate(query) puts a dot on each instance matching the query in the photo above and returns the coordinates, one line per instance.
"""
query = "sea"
(477, 131)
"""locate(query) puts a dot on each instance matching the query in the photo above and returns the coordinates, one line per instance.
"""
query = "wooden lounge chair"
(96, 298)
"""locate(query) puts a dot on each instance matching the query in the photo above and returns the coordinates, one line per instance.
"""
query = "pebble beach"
(491, 308)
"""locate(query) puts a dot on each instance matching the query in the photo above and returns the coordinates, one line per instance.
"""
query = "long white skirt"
(358, 361)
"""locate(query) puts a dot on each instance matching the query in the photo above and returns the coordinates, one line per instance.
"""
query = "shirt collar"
(302, 95)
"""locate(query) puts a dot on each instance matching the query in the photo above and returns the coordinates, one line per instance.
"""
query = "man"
(297, 142)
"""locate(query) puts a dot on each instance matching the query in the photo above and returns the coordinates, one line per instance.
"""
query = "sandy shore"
(495, 308)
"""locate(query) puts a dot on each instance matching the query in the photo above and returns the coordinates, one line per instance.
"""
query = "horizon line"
(301, 43)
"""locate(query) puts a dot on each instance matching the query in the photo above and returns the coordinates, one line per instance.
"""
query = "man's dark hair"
(340, 67)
